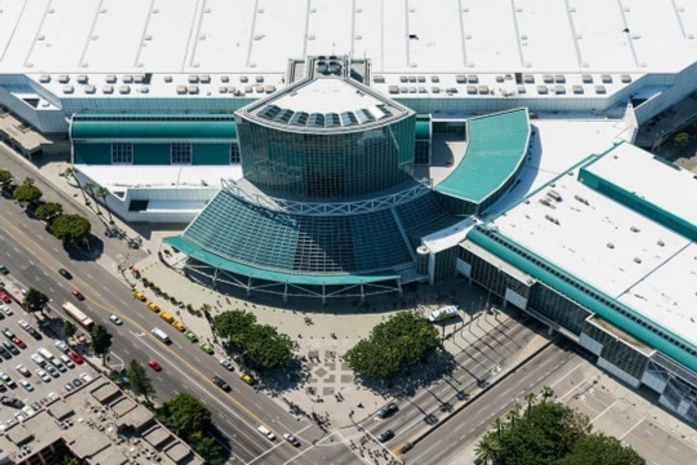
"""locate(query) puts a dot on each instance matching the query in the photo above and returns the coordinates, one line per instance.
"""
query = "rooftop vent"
(64, 79)
(205, 79)
(68, 89)
(334, 67)
(124, 89)
(127, 78)
(45, 78)
(193, 78)
(322, 67)
(110, 78)
(610, 245)
(168, 79)
(82, 79)
(637, 260)
(660, 243)
(551, 219)
(635, 229)
(108, 89)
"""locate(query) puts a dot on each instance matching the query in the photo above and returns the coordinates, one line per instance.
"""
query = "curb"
(479, 394)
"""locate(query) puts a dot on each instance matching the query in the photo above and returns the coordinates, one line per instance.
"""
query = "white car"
(23, 370)
(68, 387)
(116, 320)
(8, 381)
(67, 361)
(56, 363)
(23, 324)
(26, 385)
(19, 417)
(52, 371)
(8, 311)
(85, 377)
(43, 375)
(62, 346)
(38, 359)
(52, 396)
(28, 411)
(226, 364)
(267, 433)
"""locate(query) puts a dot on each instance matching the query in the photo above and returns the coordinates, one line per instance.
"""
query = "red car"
(74, 355)
(5, 298)
(154, 365)
(78, 295)
(19, 343)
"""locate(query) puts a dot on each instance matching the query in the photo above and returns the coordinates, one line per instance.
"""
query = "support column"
(324, 295)
(285, 293)
(362, 294)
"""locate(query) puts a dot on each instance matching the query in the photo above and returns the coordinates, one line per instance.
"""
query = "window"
(121, 153)
(181, 153)
(234, 153)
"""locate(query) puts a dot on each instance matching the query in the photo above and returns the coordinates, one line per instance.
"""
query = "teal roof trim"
(496, 150)
(290, 278)
(84, 128)
(616, 313)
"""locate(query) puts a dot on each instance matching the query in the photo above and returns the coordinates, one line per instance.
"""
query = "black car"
(388, 410)
(218, 381)
(5, 354)
(34, 333)
(386, 435)
(12, 402)
(3, 269)
(11, 347)
(406, 447)
(65, 273)
(77, 382)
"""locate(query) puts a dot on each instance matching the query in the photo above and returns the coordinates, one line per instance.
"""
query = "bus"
(77, 315)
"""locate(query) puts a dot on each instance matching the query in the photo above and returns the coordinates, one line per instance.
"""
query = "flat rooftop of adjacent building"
(612, 248)
(225, 35)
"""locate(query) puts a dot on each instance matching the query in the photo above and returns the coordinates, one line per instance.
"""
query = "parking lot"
(35, 368)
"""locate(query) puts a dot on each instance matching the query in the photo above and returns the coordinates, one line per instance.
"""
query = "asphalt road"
(34, 256)
(473, 421)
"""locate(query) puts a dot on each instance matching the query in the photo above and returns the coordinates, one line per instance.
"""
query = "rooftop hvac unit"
(334, 67)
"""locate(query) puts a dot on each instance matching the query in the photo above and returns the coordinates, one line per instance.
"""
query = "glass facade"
(327, 165)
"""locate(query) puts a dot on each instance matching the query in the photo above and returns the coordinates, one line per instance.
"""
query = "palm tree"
(487, 449)
(72, 172)
(499, 425)
(90, 186)
(103, 192)
(547, 393)
(514, 414)
(530, 398)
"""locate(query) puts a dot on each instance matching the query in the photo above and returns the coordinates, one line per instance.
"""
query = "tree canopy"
(5, 177)
(141, 385)
(34, 300)
(101, 342)
(47, 211)
(187, 417)
(550, 433)
(71, 228)
(264, 346)
(69, 329)
(393, 345)
(27, 192)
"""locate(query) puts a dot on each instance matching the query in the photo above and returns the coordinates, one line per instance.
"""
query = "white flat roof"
(218, 36)
(328, 95)
(622, 253)
(669, 187)
(119, 177)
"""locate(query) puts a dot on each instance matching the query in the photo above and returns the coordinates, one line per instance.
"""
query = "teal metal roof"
(170, 127)
(218, 262)
(496, 149)
(586, 295)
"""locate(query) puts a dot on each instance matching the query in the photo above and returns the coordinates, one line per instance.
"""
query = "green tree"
(72, 173)
(89, 186)
(206, 447)
(70, 460)
(681, 138)
(71, 229)
(598, 449)
(141, 385)
(101, 342)
(103, 192)
(49, 210)
(184, 414)
(69, 329)
(5, 177)
(232, 325)
(34, 300)
(487, 449)
(27, 192)
(393, 345)
(266, 348)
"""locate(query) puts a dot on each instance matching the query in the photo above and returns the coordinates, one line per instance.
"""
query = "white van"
(161, 335)
(45, 354)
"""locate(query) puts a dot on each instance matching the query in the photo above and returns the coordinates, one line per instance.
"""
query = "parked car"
(67, 361)
(11, 347)
(247, 378)
(8, 334)
(191, 336)
(23, 370)
(7, 310)
(5, 297)
(43, 375)
(26, 385)
(226, 364)
(62, 346)
(204, 346)
(19, 343)
(77, 358)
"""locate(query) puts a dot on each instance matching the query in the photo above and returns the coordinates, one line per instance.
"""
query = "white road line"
(630, 429)
(51, 289)
(416, 460)
(562, 378)
(55, 250)
(89, 275)
(106, 288)
(604, 411)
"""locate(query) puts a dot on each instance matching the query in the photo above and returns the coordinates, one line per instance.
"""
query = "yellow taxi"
(179, 325)
(153, 306)
(247, 378)
(139, 295)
